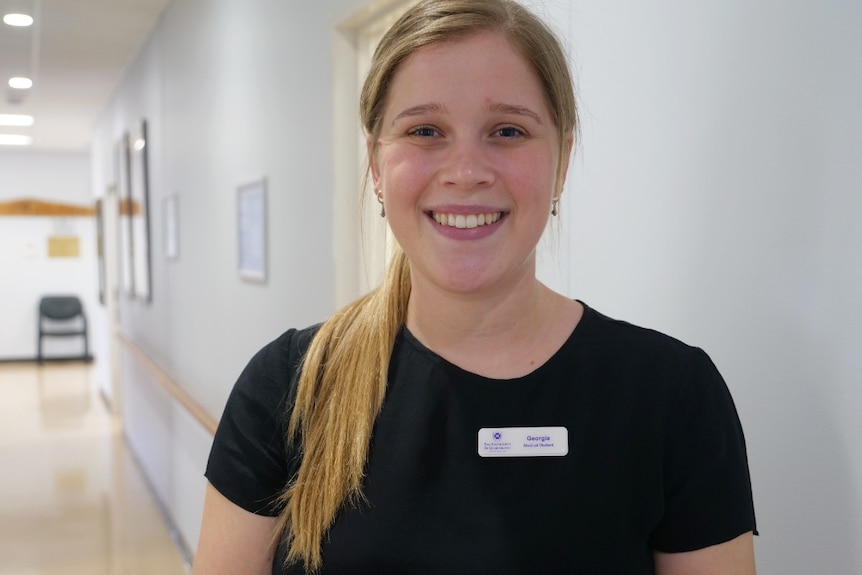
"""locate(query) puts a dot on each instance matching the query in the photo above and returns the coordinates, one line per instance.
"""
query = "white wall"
(26, 271)
(714, 197)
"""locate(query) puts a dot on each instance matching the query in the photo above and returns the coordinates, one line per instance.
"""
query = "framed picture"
(139, 189)
(251, 231)
(171, 227)
(124, 219)
(100, 248)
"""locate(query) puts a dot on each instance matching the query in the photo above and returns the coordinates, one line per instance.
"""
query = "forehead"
(485, 64)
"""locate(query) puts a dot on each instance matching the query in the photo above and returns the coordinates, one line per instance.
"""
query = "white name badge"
(523, 441)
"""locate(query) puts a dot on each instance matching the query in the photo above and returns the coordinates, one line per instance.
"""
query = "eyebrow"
(515, 109)
(420, 109)
(441, 109)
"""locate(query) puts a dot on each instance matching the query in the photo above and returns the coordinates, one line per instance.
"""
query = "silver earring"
(555, 206)
(380, 201)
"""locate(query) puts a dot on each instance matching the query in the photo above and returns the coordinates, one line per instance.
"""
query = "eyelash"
(428, 131)
(517, 131)
(416, 131)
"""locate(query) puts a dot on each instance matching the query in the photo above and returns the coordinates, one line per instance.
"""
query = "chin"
(465, 282)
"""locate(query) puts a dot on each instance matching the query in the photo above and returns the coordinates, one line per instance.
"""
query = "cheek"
(404, 171)
(531, 175)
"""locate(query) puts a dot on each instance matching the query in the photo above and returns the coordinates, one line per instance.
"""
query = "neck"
(501, 335)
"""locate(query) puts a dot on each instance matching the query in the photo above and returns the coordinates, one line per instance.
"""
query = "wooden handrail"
(177, 392)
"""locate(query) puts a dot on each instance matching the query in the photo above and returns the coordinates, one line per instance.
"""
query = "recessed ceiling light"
(16, 120)
(20, 83)
(15, 140)
(18, 19)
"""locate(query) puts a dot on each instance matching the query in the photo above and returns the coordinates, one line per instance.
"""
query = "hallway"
(72, 499)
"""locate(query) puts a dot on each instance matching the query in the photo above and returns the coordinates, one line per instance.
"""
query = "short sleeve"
(707, 485)
(248, 462)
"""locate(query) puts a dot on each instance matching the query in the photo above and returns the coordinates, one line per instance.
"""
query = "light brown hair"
(343, 378)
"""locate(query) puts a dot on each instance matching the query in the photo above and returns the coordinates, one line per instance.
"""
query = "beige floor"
(72, 501)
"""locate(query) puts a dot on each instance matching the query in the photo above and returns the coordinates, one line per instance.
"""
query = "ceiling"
(75, 52)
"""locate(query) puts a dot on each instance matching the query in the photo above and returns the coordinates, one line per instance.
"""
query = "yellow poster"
(64, 247)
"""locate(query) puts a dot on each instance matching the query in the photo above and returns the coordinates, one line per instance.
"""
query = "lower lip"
(476, 233)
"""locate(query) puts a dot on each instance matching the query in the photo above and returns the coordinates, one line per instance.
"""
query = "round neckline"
(422, 349)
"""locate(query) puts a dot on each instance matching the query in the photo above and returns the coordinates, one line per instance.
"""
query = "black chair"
(62, 316)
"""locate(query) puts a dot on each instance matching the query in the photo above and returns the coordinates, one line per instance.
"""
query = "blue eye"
(423, 132)
(509, 132)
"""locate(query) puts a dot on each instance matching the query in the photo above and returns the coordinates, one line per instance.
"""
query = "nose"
(467, 165)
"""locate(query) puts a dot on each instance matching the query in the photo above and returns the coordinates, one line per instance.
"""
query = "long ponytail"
(339, 394)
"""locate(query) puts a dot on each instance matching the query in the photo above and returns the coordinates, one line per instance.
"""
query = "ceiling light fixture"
(20, 83)
(16, 120)
(18, 19)
(15, 140)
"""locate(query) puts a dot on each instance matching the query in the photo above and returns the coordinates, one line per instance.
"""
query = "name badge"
(523, 441)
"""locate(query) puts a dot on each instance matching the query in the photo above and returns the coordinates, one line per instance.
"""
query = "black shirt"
(656, 459)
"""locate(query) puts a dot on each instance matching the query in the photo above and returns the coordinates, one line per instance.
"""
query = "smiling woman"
(433, 400)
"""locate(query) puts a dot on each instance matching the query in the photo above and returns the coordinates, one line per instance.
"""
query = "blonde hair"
(343, 378)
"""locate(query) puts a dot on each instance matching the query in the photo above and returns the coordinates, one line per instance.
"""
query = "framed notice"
(124, 178)
(100, 249)
(251, 231)
(139, 193)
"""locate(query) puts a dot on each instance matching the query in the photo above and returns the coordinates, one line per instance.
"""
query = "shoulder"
(703, 454)
(249, 460)
(264, 384)
(284, 353)
(649, 364)
(280, 358)
(631, 344)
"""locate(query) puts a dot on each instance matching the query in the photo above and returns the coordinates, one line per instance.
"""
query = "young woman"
(464, 418)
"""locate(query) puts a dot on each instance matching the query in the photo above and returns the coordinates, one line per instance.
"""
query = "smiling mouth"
(462, 221)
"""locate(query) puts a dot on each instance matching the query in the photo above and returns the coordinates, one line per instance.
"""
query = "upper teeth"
(462, 221)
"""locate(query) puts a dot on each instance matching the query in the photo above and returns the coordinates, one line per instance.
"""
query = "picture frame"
(124, 218)
(252, 231)
(139, 184)
(100, 250)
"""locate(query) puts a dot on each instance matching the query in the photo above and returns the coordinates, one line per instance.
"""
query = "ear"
(564, 169)
(372, 162)
(570, 142)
